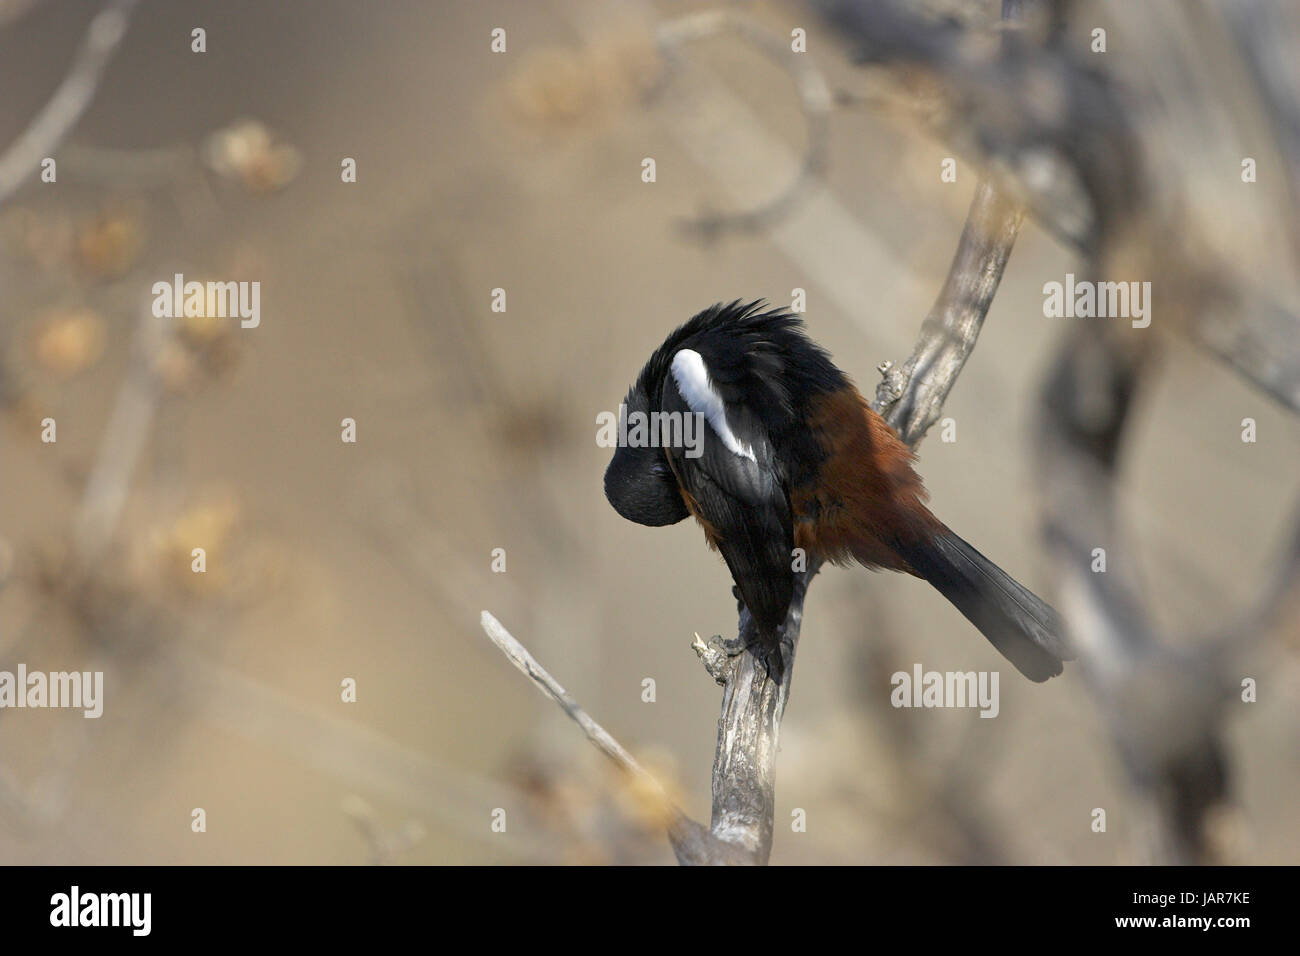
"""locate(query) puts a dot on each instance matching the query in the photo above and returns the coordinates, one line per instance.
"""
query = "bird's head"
(638, 482)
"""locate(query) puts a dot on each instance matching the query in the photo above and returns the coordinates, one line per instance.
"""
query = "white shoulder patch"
(692, 380)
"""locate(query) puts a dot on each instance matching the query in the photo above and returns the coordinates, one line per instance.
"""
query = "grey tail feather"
(1023, 627)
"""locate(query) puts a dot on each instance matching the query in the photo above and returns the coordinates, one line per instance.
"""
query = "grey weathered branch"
(691, 842)
(55, 120)
(911, 396)
(749, 730)
(1163, 701)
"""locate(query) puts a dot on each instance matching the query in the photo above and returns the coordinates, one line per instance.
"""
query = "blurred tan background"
(476, 431)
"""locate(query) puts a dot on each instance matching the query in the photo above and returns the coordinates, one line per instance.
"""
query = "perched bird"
(789, 455)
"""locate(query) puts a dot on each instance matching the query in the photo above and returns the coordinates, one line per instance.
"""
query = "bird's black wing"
(734, 482)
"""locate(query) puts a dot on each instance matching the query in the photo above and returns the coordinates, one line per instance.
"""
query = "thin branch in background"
(1052, 130)
(1162, 704)
(1250, 333)
(1066, 142)
(1265, 34)
(57, 118)
(123, 441)
(814, 99)
(1163, 701)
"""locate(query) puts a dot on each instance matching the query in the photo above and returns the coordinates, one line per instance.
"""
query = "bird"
(775, 453)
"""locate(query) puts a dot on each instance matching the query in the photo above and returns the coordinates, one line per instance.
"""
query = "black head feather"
(758, 353)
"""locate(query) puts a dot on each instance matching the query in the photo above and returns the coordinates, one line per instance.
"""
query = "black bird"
(792, 456)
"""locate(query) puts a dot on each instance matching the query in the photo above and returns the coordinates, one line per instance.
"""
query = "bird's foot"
(735, 646)
(720, 653)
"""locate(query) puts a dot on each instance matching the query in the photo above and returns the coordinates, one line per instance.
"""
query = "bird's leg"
(746, 640)
(768, 650)
(772, 656)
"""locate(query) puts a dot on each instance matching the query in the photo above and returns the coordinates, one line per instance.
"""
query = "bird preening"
(793, 457)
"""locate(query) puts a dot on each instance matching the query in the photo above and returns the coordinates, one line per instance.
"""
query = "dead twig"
(691, 842)
(56, 119)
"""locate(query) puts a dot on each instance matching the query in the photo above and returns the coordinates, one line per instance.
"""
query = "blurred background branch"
(22, 159)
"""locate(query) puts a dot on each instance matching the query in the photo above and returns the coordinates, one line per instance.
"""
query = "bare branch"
(1265, 33)
(691, 842)
(911, 397)
(1163, 702)
(548, 685)
(123, 441)
(1251, 333)
(69, 102)
(744, 763)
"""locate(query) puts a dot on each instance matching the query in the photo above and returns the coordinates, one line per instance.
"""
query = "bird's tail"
(1024, 629)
